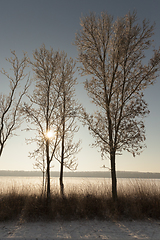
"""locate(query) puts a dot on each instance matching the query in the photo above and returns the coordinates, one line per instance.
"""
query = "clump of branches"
(10, 116)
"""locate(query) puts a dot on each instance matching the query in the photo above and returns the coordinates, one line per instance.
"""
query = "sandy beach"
(79, 230)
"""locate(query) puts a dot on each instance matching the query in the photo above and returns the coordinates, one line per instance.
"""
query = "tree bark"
(63, 139)
(48, 169)
(43, 171)
(113, 176)
(1, 149)
(43, 183)
(61, 180)
(61, 171)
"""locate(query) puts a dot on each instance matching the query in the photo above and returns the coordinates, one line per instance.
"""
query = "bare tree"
(68, 109)
(40, 163)
(10, 118)
(42, 111)
(113, 54)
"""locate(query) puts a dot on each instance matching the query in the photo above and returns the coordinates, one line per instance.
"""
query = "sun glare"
(49, 134)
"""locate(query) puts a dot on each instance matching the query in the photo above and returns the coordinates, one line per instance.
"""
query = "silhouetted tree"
(113, 54)
(10, 117)
(42, 110)
(68, 109)
(52, 111)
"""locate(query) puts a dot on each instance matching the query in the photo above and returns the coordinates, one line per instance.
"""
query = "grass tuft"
(137, 200)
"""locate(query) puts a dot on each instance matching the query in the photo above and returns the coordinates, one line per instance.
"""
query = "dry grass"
(88, 200)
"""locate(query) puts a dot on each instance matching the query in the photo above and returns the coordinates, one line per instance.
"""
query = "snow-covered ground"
(79, 230)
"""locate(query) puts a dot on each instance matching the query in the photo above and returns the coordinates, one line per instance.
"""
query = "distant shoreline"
(92, 174)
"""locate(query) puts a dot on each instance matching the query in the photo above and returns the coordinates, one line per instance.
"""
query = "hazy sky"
(27, 24)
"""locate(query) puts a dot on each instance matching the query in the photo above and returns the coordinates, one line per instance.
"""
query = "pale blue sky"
(26, 24)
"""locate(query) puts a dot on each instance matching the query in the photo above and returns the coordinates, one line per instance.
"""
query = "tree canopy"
(113, 54)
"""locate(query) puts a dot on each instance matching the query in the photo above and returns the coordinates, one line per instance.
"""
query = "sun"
(49, 134)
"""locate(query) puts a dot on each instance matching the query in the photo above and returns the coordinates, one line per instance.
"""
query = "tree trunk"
(62, 160)
(43, 183)
(113, 175)
(48, 170)
(63, 138)
(61, 181)
(44, 172)
(48, 181)
(1, 149)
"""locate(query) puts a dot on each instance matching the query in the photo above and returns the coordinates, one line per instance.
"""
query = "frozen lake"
(74, 184)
